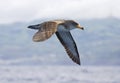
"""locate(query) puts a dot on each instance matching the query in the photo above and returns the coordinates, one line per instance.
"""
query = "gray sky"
(28, 10)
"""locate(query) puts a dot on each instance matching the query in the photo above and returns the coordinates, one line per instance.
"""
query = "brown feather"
(46, 31)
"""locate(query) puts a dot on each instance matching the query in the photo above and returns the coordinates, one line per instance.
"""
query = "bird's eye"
(74, 23)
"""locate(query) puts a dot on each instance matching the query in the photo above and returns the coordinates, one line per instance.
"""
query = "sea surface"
(59, 74)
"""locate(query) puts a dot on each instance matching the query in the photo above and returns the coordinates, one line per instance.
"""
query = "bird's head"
(77, 25)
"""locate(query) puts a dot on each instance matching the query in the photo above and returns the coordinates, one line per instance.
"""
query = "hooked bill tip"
(82, 28)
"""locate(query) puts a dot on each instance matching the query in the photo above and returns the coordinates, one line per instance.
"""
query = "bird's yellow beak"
(80, 27)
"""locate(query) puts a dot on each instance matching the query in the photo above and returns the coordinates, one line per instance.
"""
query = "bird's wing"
(45, 32)
(69, 44)
(36, 27)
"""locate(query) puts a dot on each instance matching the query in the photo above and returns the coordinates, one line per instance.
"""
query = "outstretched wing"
(67, 41)
(45, 32)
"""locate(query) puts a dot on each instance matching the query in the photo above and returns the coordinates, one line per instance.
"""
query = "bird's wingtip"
(79, 63)
(30, 27)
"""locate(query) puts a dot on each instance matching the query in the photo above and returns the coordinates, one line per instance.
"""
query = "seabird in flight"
(62, 30)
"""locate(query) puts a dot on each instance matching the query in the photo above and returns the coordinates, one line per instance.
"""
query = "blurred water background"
(22, 60)
(98, 44)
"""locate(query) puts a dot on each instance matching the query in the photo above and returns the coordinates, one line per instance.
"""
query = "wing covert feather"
(45, 32)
